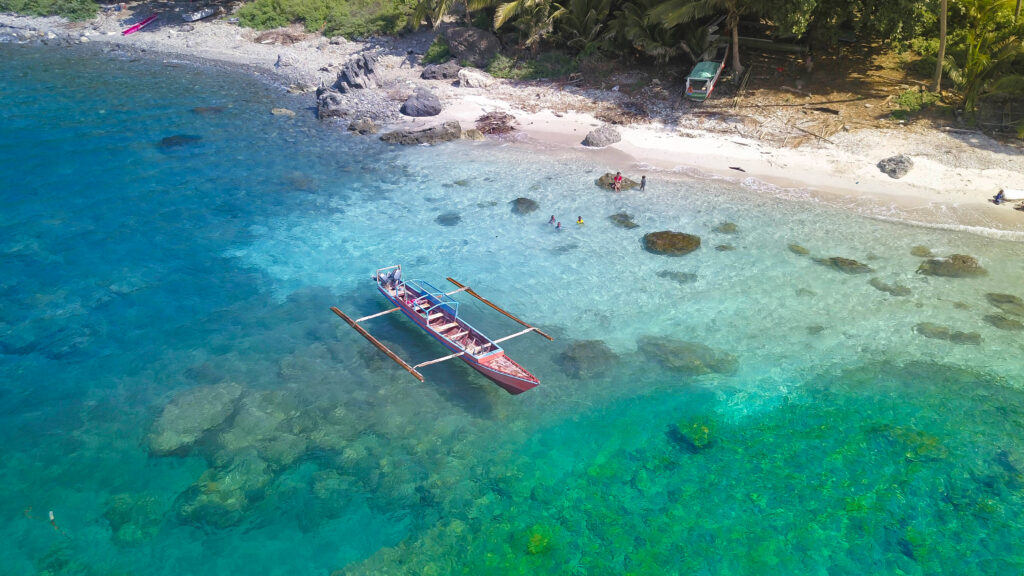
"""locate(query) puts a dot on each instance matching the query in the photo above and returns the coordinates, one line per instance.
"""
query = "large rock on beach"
(190, 415)
(955, 266)
(473, 45)
(587, 358)
(689, 358)
(523, 206)
(473, 78)
(896, 166)
(668, 243)
(422, 103)
(446, 71)
(358, 73)
(601, 137)
(435, 134)
(606, 180)
(844, 265)
(330, 104)
(1006, 302)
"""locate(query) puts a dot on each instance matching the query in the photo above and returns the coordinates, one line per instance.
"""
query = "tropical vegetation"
(972, 47)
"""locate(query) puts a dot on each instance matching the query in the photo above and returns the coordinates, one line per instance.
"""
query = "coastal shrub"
(75, 10)
(547, 65)
(437, 52)
(916, 100)
(349, 18)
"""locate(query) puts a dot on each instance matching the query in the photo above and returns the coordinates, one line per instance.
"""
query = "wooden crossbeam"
(375, 315)
(511, 336)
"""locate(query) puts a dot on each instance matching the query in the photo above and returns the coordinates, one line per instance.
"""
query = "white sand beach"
(956, 171)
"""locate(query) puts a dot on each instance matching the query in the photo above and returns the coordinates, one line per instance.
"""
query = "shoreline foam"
(954, 175)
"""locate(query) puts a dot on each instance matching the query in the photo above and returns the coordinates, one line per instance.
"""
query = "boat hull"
(139, 26)
(508, 382)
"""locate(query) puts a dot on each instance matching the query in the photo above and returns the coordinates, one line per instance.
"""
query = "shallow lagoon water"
(159, 262)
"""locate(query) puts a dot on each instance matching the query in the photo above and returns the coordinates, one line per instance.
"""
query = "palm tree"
(674, 12)
(990, 49)
(937, 86)
(534, 18)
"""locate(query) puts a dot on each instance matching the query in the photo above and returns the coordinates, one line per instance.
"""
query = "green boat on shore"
(701, 80)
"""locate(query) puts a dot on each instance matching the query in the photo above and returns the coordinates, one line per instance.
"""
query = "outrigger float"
(435, 311)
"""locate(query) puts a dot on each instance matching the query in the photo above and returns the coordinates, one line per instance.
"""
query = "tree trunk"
(737, 68)
(937, 85)
(1016, 12)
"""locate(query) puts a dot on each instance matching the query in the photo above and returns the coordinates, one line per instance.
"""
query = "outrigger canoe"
(136, 27)
(437, 313)
(702, 79)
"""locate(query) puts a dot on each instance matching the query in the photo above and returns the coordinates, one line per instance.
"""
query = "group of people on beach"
(617, 182)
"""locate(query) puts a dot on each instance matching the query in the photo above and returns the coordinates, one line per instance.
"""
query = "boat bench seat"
(434, 316)
(446, 326)
(458, 334)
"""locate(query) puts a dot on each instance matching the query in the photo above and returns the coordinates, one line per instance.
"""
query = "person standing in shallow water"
(552, 221)
(643, 183)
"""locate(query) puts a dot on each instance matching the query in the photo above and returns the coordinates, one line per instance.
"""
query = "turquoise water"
(176, 391)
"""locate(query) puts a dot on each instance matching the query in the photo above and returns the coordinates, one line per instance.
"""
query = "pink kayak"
(136, 27)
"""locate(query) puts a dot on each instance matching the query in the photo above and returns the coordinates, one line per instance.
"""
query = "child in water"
(558, 226)
(552, 221)
(579, 219)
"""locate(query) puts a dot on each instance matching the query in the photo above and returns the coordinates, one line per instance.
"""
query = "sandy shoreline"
(954, 174)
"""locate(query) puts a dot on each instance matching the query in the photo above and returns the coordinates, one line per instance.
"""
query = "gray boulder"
(435, 134)
(668, 243)
(330, 104)
(473, 78)
(601, 137)
(472, 45)
(422, 103)
(358, 73)
(896, 166)
(939, 332)
(446, 71)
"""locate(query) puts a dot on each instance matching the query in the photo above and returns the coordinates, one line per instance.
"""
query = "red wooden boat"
(136, 27)
(436, 312)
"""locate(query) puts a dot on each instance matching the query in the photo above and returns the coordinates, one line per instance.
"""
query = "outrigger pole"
(377, 343)
(492, 305)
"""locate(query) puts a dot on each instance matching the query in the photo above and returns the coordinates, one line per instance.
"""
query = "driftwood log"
(496, 123)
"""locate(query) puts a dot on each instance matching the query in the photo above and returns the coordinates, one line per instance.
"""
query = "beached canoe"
(437, 313)
(200, 14)
(136, 27)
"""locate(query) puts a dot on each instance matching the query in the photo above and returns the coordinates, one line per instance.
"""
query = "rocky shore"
(380, 87)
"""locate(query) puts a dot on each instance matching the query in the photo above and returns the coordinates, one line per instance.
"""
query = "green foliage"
(634, 29)
(75, 10)
(438, 51)
(916, 100)
(582, 26)
(1013, 84)
(547, 65)
(331, 17)
(988, 51)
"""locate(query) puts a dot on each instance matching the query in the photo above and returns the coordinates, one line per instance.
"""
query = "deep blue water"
(177, 393)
